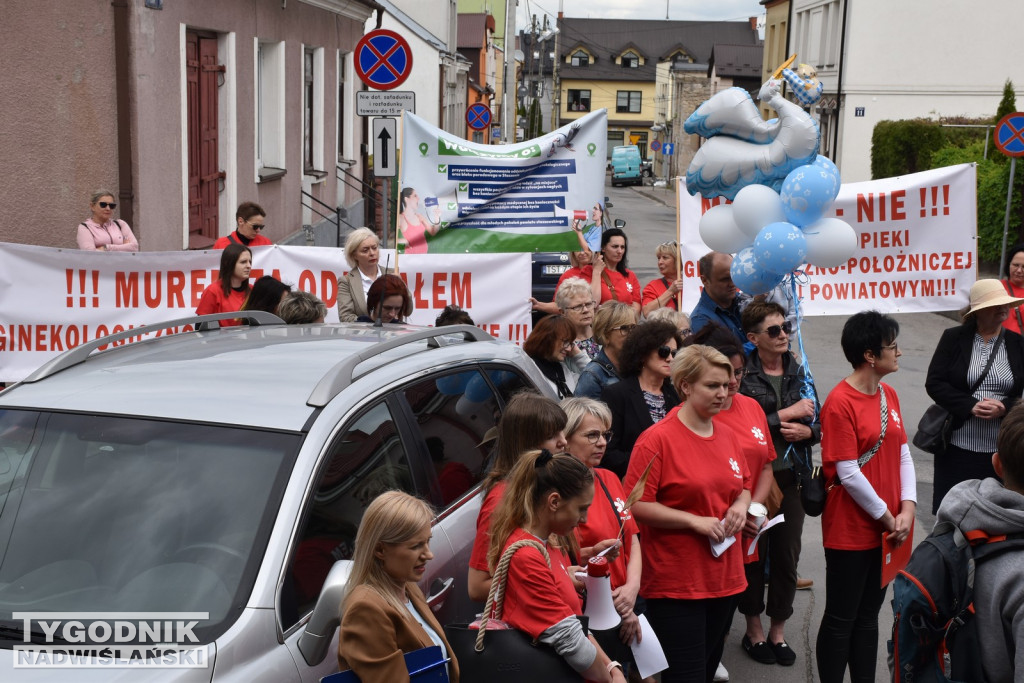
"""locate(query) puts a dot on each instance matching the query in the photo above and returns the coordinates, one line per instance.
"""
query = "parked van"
(626, 165)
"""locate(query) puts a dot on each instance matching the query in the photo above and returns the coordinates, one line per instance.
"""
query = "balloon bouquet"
(780, 187)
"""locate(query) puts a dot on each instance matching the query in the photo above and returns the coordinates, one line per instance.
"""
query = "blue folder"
(427, 665)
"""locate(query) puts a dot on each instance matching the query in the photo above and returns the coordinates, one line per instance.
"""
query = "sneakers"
(721, 674)
(804, 584)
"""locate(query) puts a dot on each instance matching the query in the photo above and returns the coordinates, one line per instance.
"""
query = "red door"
(204, 174)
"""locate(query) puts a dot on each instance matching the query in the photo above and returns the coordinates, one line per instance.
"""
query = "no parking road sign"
(1009, 135)
(478, 116)
(383, 59)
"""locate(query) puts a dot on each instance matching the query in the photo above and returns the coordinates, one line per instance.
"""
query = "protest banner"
(50, 305)
(458, 196)
(916, 246)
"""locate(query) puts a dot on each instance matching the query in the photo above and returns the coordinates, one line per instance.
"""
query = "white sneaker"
(721, 674)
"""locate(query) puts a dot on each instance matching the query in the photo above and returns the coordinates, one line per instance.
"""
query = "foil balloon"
(780, 247)
(804, 84)
(750, 275)
(756, 206)
(830, 242)
(719, 231)
(742, 148)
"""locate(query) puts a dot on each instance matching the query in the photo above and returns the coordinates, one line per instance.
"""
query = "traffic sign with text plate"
(385, 146)
(385, 102)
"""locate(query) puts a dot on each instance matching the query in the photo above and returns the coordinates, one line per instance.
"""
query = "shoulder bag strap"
(611, 501)
(496, 596)
(232, 238)
(1016, 309)
(866, 457)
(988, 364)
(607, 279)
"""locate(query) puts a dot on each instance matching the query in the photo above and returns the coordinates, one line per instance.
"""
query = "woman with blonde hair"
(663, 292)
(384, 613)
(103, 232)
(362, 252)
(547, 495)
(612, 323)
(576, 303)
(695, 499)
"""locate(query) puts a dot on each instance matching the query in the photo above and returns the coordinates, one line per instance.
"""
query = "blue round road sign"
(383, 59)
(1009, 134)
(478, 116)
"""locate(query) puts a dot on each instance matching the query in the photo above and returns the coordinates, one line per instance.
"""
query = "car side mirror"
(619, 223)
(315, 640)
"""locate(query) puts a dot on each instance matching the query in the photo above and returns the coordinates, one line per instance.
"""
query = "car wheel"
(647, 173)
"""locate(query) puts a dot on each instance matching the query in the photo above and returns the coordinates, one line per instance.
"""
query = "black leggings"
(849, 627)
(692, 634)
(954, 465)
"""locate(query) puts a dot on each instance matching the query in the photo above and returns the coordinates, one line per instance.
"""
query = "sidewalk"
(663, 195)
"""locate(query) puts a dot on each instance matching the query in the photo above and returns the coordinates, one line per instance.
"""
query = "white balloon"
(830, 242)
(756, 206)
(719, 231)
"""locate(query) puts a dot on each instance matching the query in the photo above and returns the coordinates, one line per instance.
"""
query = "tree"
(1008, 104)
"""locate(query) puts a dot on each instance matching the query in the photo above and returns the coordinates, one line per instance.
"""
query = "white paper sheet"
(765, 527)
(648, 655)
(718, 548)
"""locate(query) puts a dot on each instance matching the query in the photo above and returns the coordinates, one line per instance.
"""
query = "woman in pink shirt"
(102, 232)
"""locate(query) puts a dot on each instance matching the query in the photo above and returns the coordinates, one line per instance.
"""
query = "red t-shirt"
(702, 476)
(1011, 320)
(627, 287)
(214, 301)
(257, 241)
(603, 522)
(572, 272)
(538, 597)
(653, 290)
(850, 426)
(482, 542)
(748, 421)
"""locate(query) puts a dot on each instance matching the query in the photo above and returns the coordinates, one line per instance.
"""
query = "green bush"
(901, 147)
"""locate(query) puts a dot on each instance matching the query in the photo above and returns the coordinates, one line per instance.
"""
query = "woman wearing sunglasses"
(612, 323)
(102, 232)
(587, 434)
(777, 382)
(250, 222)
(662, 292)
(645, 394)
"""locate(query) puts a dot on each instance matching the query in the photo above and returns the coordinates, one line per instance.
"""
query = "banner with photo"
(544, 194)
(55, 299)
(916, 246)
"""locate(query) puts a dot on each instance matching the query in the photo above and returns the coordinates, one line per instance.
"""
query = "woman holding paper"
(384, 614)
(864, 446)
(413, 226)
(696, 491)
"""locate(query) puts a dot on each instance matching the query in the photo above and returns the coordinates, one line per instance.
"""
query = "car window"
(507, 382)
(367, 459)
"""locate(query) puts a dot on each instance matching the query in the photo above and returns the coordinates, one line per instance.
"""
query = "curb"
(665, 197)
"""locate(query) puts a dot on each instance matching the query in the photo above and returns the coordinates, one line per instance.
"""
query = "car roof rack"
(344, 373)
(81, 352)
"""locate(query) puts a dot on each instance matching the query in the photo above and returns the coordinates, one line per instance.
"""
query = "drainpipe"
(839, 83)
(122, 59)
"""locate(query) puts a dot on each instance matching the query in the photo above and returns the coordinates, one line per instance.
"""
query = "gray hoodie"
(987, 505)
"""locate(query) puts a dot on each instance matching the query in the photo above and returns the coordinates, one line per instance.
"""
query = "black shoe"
(759, 652)
(784, 654)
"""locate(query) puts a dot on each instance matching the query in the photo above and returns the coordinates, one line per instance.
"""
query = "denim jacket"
(598, 374)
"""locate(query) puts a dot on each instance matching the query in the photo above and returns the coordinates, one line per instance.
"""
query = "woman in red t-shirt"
(229, 292)
(662, 292)
(547, 495)
(696, 495)
(615, 280)
(1014, 285)
(876, 497)
(529, 421)
(587, 433)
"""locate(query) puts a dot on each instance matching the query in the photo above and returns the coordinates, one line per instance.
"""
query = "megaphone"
(600, 607)
(571, 214)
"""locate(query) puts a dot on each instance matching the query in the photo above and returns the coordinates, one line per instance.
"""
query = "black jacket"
(756, 385)
(946, 382)
(630, 418)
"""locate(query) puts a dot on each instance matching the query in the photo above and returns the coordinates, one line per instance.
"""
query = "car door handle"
(440, 589)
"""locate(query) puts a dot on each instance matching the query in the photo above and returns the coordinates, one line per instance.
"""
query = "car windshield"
(109, 514)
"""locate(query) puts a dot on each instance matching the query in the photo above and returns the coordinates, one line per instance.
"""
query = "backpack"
(935, 637)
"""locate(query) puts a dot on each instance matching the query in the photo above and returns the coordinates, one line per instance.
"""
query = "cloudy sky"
(718, 10)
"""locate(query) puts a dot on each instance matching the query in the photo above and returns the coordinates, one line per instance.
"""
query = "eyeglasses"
(625, 329)
(113, 205)
(666, 351)
(739, 373)
(567, 345)
(686, 332)
(1013, 266)
(595, 436)
(256, 226)
(774, 331)
(669, 245)
(579, 308)
(893, 347)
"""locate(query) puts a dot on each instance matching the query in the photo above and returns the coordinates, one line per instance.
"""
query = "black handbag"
(507, 656)
(811, 481)
(936, 424)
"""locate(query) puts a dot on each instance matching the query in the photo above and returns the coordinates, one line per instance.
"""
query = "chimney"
(753, 23)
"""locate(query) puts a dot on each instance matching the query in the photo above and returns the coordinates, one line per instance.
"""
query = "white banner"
(916, 246)
(52, 300)
(458, 196)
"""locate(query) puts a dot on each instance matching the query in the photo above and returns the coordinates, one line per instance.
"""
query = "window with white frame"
(313, 111)
(346, 104)
(270, 112)
(630, 60)
(580, 58)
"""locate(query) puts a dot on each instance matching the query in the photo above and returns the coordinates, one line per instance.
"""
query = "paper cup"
(759, 512)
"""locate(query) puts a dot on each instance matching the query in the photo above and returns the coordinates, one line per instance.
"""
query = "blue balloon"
(826, 163)
(453, 385)
(780, 247)
(808, 191)
(750, 275)
(478, 390)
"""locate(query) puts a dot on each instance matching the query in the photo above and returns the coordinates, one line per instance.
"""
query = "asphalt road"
(651, 220)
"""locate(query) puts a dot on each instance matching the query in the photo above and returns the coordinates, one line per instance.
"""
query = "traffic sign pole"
(1009, 139)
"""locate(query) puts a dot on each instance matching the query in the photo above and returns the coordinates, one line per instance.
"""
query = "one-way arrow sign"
(384, 148)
